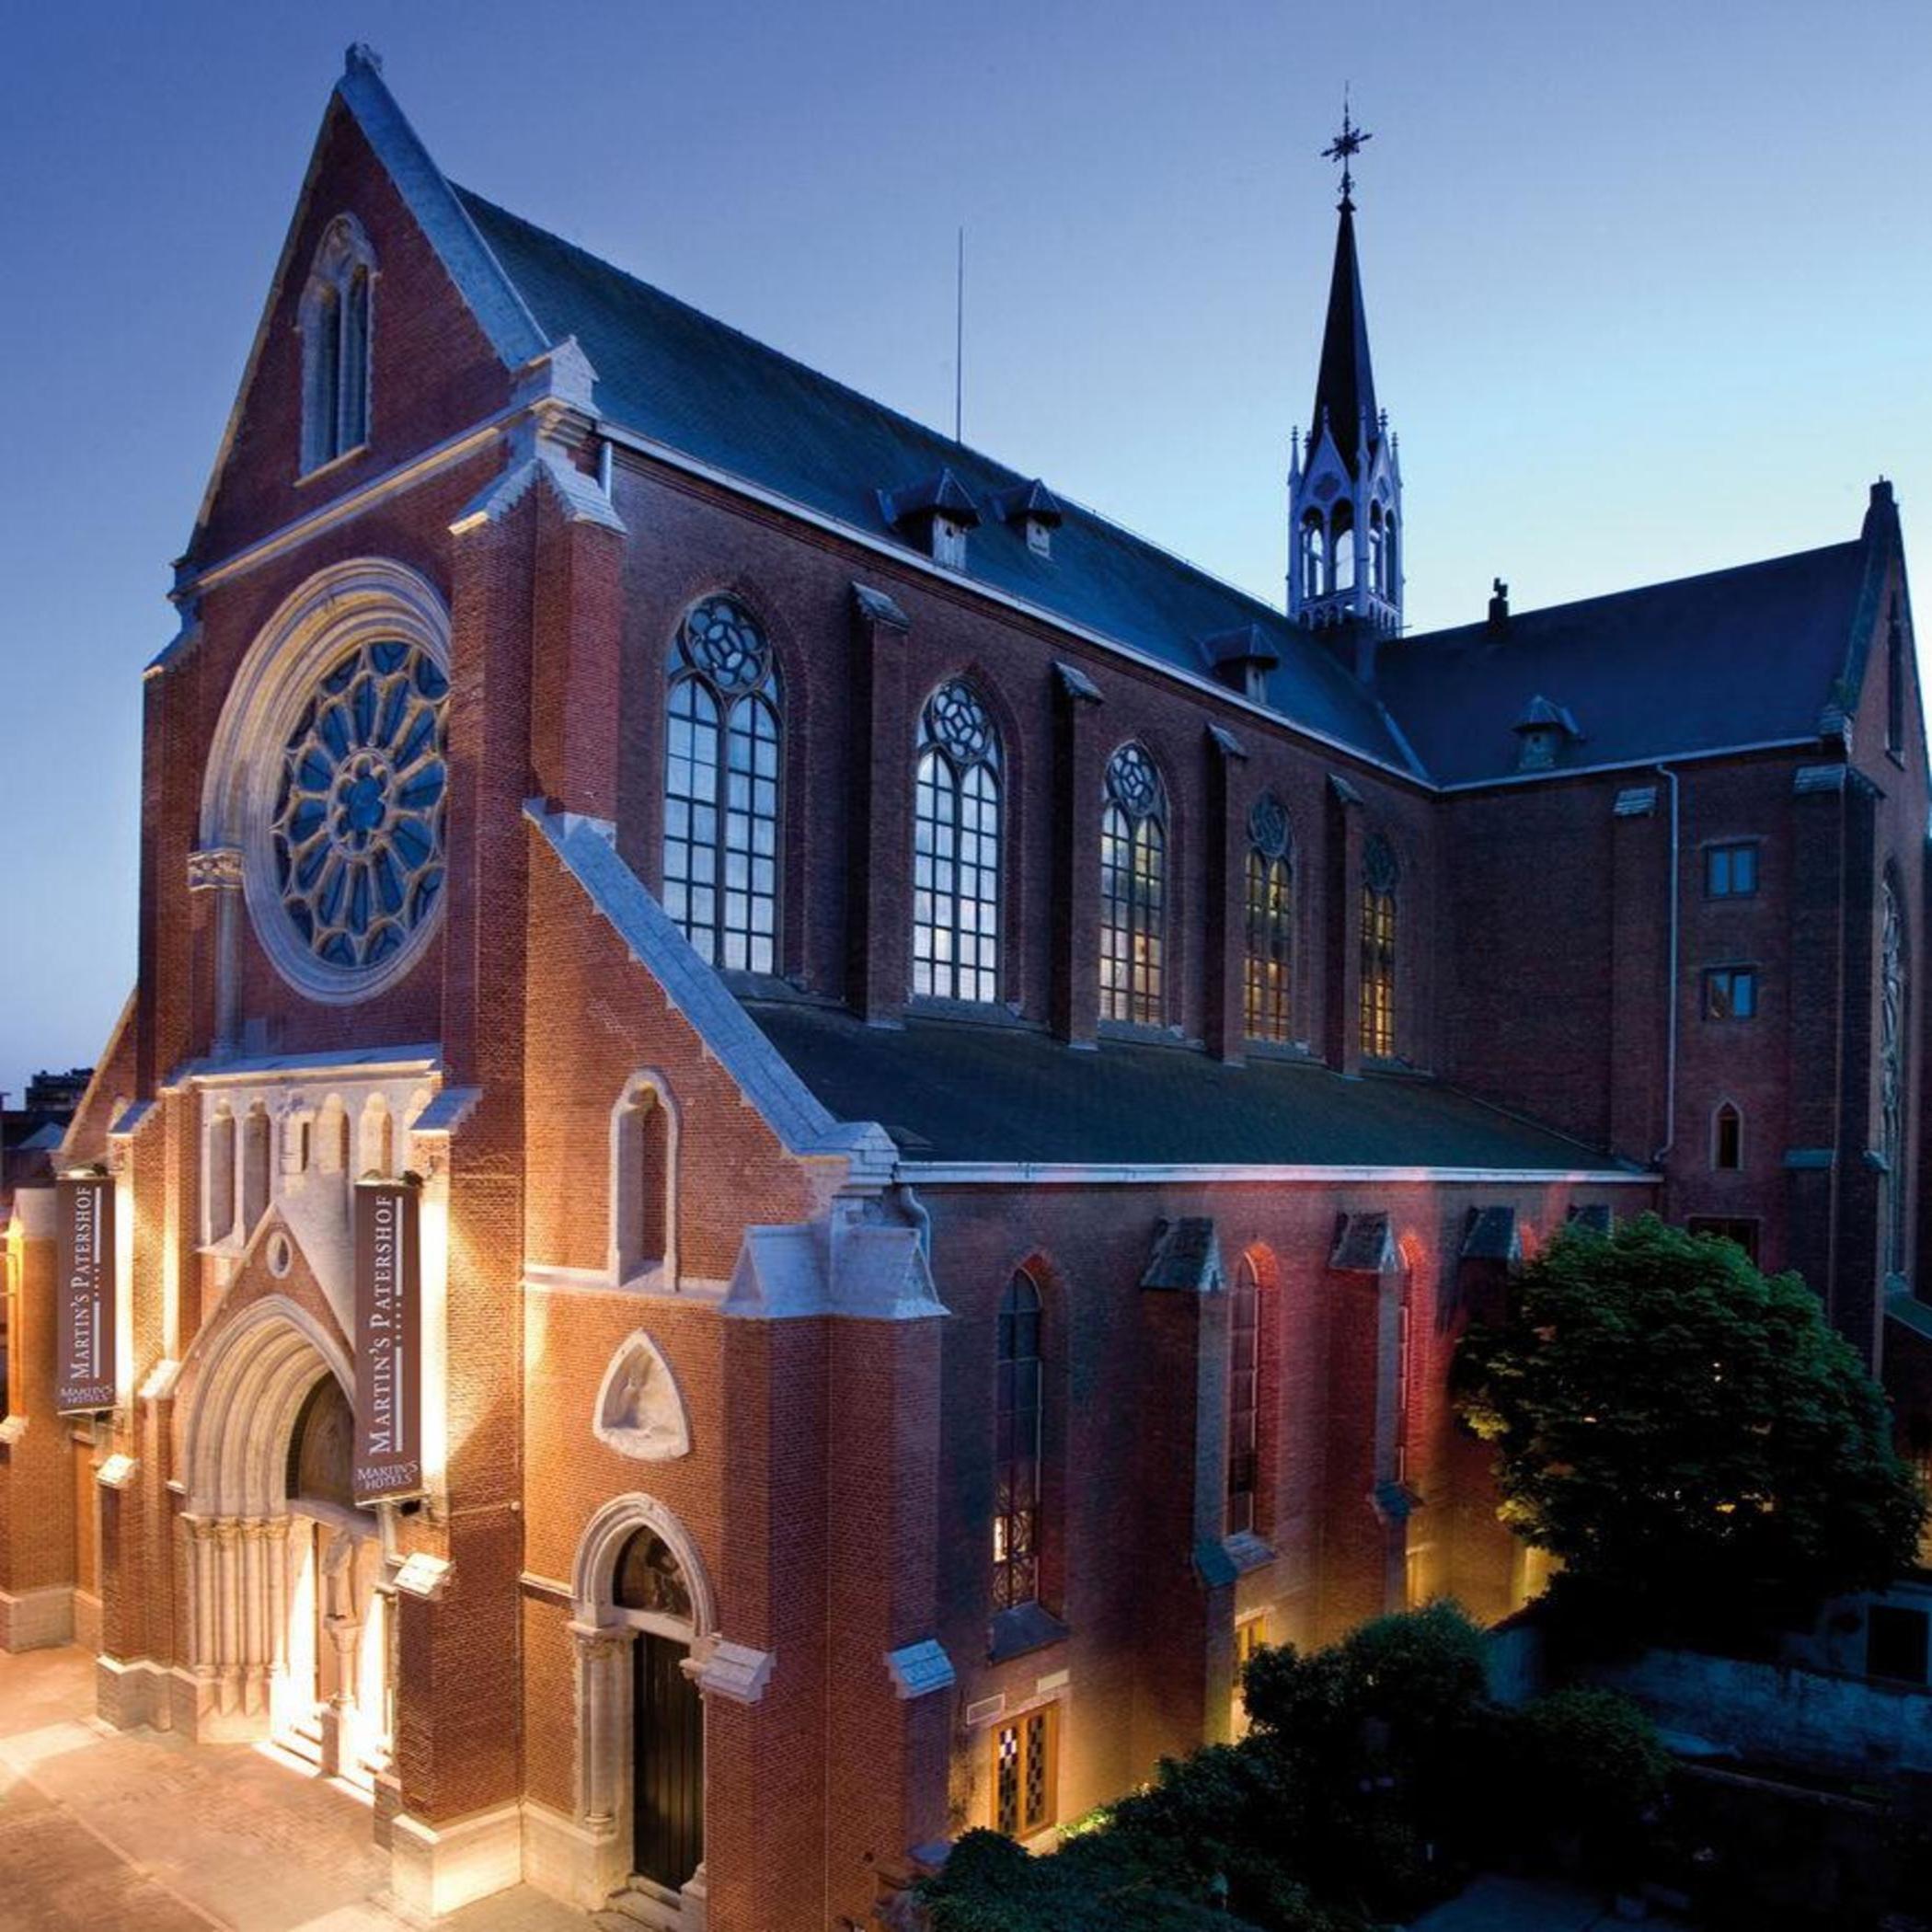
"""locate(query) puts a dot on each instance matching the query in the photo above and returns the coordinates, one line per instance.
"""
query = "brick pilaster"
(1075, 982)
(1640, 992)
(878, 936)
(1227, 896)
(1341, 1023)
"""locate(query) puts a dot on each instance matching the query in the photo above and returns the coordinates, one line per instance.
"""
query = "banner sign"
(388, 1353)
(85, 1331)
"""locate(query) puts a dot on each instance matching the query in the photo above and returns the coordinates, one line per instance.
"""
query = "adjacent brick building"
(955, 1078)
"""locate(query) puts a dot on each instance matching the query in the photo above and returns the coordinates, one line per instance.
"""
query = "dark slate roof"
(947, 1091)
(684, 379)
(1345, 383)
(1736, 656)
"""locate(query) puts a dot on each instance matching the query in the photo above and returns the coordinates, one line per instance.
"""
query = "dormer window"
(933, 515)
(335, 321)
(1242, 659)
(1032, 511)
(1542, 732)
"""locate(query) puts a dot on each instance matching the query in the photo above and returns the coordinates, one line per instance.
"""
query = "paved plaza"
(106, 1830)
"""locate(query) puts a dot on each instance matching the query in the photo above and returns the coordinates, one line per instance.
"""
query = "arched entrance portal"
(645, 1618)
(287, 1623)
(667, 1717)
(331, 1696)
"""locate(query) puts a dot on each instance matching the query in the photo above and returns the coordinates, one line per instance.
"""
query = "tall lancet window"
(1891, 1074)
(956, 848)
(1244, 1399)
(1016, 1445)
(721, 787)
(335, 320)
(1379, 875)
(1133, 865)
(1271, 915)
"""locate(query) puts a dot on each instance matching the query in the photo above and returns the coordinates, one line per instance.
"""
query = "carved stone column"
(603, 1689)
(218, 869)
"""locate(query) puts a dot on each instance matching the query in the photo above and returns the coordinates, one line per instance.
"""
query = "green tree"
(1687, 1433)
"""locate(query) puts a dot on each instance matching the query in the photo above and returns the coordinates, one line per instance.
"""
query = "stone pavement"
(103, 1830)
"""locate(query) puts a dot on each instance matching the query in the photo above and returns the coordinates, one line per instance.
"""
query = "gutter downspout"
(1670, 1057)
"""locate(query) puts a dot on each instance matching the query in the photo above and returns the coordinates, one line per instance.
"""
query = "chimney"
(1498, 608)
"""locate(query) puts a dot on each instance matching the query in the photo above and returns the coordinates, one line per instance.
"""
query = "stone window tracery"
(1132, 888)
(1016, 1443)
(336, 322)
(956, 849)
(1244, 1399)
(357, 832)
(1271, 904)
(722, 788)
(1380, 875)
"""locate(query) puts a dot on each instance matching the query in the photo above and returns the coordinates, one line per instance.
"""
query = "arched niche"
(640, 1411)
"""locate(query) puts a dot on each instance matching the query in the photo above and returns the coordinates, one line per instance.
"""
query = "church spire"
(1345, 386)
(1345, 505)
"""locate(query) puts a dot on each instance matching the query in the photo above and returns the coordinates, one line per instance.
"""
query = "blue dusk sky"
(1649, 288)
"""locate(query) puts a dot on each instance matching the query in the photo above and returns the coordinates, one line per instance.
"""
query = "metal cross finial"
(1344, 146)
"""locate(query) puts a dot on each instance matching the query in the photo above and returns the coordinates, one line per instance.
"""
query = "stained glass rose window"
(356, 834)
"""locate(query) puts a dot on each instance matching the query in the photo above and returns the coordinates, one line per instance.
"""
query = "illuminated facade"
(935, 1086)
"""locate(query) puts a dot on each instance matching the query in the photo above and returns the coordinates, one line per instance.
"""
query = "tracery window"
(1132, 888)
(1379, 876)
(721, 787)
(1891, 1074)
(336, 325)
(1269, 979)
(1017, 1436)
(357, 830)
(956, 848)
(1244, 1399)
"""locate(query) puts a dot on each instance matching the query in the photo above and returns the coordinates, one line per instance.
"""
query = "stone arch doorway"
(645, 1617)
(288, 1625)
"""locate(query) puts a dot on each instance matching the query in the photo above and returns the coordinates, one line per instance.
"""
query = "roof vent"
(934, 515)
(1032, 510)
(1499, 607)
(1542, 730)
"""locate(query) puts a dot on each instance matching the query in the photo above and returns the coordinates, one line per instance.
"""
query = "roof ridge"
(1013, 475)
(1644, 590)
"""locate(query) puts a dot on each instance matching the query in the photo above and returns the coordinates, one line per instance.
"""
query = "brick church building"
(802, 1132)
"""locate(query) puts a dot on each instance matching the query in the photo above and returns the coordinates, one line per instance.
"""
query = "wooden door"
(669, 1739)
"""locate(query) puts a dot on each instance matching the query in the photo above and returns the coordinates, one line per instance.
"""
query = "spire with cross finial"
(1345, 487)
(1345, 146)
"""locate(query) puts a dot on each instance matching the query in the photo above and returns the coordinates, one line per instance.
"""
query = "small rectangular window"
(1895, 1643)
(1731, 993)
(1718, 1227)
(1730, 871)
(1025, 1773)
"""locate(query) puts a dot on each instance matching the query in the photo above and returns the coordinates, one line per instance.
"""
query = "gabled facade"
(954, 1088)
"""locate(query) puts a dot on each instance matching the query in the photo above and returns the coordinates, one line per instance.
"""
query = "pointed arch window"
(1133, 862)
(1016, 1445)
(956, 848)
(1727, 1139)
(336, 319)
(1379, 878)
(1891, 1074)
(1270, 919)
(1244, 1399)
(722, 788)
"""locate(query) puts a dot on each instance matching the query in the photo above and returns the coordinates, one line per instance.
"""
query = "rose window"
(357, 830)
